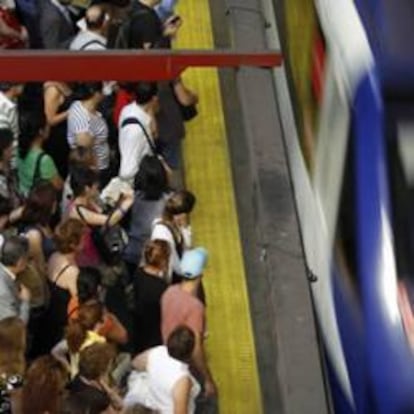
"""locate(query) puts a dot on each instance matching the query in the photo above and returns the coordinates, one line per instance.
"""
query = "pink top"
(89, 255)
(179, 307)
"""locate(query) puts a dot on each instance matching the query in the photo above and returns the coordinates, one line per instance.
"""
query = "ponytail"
(76, 332)
(31, 123)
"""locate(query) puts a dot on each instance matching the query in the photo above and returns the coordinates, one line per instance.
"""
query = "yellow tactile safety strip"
(230, 343)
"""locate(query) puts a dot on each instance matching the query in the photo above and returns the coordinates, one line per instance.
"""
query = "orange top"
(73, 307)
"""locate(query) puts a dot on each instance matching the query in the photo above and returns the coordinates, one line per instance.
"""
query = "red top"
(122, 99)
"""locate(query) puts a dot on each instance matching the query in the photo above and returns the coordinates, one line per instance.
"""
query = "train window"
(304, 46)
(400, 144)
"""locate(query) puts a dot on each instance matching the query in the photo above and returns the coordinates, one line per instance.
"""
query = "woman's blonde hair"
(156, 253)
(12, 346)
(68, 235)
(45, 381)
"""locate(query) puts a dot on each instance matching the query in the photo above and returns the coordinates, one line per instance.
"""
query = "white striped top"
(80, 120)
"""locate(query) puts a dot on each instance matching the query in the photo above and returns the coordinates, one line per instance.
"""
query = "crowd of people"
(102, 307)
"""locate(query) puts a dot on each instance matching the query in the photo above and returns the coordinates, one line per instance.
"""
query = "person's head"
(6, 144)
(97, 18)
(12, 346)
(90, 316)
(82, 157)
(12, 89)
(87, 91)
(41, 204)
(89, 283)
(157, 253)
(180, 343)
(33, 128)
(45, 382)
(145, 92)
(95, 361)
(14, 253)
(151, 178)
(68, 236)
(84, 182)
(179, 203)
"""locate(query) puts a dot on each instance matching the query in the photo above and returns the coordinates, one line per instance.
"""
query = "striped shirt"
(80, 120)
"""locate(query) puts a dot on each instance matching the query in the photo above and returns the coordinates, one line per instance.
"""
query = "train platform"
(262, 344)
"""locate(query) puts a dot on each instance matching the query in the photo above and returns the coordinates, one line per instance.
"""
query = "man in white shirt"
(161, 379)
(137, 130)
(93, 37)
(9, 117)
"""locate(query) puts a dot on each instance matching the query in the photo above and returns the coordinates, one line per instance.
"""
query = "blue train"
(356, 203)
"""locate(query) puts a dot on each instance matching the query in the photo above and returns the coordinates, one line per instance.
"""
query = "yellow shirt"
(91, 338)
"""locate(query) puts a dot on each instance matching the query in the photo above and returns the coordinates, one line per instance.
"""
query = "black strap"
(80, 213)
(61, 271)
(92, 42)
(106, 224)
(135, 121)
(179, 248)
(37, 173)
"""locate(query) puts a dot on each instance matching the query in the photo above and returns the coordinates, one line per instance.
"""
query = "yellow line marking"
(230, 344)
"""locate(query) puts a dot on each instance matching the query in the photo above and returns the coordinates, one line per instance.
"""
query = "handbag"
(188, 112)
(182, 94)
(110, 241)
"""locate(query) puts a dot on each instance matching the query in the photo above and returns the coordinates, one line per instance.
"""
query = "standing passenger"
(56, 24)
(168, 386)
(14, 299)
(88, 128)
(181, 306)
(57, 97)
(137, 130)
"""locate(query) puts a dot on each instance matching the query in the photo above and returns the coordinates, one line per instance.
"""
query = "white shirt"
(133, 145)
(8, 4)
(161, 232)
(155, 389)
(9, 120)
(88, 40)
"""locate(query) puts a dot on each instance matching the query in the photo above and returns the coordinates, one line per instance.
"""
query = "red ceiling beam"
(39, 65)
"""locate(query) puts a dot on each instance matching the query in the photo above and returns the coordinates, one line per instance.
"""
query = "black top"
(57, 145)
(58, 308)
(146, 26)
(92, 399)
(147, 318)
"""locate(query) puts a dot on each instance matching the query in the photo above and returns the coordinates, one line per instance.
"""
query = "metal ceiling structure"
(128, 65)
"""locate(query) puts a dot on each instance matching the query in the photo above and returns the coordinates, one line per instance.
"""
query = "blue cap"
(193, 262)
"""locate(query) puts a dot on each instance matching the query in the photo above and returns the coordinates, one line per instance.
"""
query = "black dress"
(57, 144)
(147, 316)
(56, 318)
